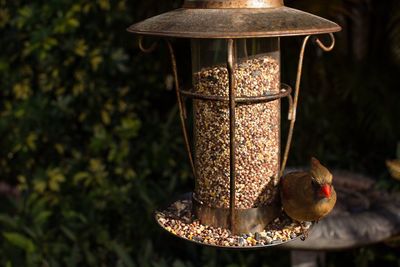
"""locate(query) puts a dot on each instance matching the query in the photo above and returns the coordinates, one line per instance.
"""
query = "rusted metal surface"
(232, 142)
(293, 106)
(246, 220)
(234, 23)
(232, 3)
(248, 100)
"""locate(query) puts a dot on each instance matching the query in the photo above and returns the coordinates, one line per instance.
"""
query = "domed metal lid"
(234, 19)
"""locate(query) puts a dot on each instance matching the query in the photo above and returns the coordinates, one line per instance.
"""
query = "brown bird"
(308, 196)
(394, 168)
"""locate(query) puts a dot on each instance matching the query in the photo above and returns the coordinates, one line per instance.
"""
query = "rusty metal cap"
(234, 19)
(232, 3)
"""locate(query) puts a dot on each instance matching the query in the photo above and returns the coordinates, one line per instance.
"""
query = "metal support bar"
(247, 100)
(232, 128)
(293, 108)
(181, 108)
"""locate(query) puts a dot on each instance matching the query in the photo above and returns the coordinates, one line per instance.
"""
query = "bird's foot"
(304, 235)
(304, 231)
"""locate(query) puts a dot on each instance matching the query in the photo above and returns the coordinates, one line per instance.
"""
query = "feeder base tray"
(178, 220)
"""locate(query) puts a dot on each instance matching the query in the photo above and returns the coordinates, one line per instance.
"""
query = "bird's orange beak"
(326, 190)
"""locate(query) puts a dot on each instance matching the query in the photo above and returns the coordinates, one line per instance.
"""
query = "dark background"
(90, 139)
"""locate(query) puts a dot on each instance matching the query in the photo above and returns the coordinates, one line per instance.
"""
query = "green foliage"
(72, 136)
(91, 138)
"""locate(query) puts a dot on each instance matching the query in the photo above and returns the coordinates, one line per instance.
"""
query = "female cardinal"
(308, 196)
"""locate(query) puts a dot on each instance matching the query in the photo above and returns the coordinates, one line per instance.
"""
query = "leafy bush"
(73, 90)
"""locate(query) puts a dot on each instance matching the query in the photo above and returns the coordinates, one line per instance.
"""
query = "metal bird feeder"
(235, 154)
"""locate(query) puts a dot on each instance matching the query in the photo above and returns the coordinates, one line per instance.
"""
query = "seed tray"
(178, 220)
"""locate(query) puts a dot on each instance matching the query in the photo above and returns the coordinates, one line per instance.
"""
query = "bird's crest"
(319, 173)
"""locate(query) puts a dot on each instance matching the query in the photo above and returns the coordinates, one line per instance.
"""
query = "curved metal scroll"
(146, 49)
(324, 47)
(293, 107)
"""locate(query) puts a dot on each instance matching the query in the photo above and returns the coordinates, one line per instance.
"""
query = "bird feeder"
(235, 155)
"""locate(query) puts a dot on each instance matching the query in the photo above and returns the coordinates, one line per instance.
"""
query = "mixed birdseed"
(179, 220)
(257, 135)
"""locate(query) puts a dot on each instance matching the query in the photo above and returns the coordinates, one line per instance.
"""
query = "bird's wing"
(288, 181)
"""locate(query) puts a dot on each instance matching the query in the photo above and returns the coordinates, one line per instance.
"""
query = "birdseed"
(179, 220)
(257, 135)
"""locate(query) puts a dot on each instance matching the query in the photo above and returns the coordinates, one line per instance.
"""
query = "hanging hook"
(323, 46)
(146, 49)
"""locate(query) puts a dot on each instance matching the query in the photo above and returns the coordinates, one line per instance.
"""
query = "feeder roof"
(234, 23)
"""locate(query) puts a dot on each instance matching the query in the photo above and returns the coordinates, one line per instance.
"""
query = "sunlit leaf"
(39, 186)
(80, 48)
(105, 117)
(80, 176)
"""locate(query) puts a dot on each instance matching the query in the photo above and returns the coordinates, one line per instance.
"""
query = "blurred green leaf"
(42, 217)
(178, 263)
(6, 220)
(20, 241)
(123, 255)
(68, 233)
